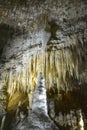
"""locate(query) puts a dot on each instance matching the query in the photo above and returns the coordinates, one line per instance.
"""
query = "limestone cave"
(43, 65)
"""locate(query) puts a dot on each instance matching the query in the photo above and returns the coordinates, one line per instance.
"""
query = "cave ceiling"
(48, 36)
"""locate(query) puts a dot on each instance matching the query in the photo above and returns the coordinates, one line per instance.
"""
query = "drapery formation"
(57, 65)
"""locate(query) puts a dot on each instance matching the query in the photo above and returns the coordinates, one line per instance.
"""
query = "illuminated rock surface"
(38, 117)
(48, 36)
(40, 101)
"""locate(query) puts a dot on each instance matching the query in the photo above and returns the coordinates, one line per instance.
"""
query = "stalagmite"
(57, 66)
(81, 122)
(3, 122)
(39, 100)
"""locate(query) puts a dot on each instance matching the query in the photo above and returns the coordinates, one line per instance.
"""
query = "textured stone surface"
(28, 27)
(36, 122)
(38, 118)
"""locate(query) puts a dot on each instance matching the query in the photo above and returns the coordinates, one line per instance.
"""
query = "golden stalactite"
(57, 67)
(44, 65)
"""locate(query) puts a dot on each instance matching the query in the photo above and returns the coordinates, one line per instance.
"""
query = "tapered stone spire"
(39, 101)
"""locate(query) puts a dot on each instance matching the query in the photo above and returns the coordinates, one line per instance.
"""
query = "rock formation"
(48, 36)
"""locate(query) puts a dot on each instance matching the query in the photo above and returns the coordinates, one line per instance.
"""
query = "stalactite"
(45, 65)
(58, 67)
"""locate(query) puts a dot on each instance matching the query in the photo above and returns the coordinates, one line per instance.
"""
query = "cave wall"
(51, 36)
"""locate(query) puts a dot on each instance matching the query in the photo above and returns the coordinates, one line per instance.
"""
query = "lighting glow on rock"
(57, 67)
(39, 100)
(81, 122)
